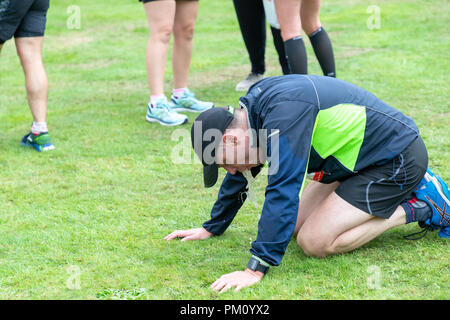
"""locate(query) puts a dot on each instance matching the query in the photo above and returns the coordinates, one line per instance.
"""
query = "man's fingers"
(191, 234)
(218, 284)
(215, 285)
(191, 237)
(177, 234)
(225, 288)
(238, 288)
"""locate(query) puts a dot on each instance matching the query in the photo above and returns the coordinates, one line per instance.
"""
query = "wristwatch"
(256, 265)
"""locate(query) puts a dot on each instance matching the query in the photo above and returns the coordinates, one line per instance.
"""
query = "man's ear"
(229, 139)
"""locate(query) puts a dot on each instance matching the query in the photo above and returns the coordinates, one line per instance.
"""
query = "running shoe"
(189, 103)
(163, 114)
(40, 142)
(434, 191)
(251, 79)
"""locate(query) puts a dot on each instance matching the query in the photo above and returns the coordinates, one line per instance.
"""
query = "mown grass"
(105, 198)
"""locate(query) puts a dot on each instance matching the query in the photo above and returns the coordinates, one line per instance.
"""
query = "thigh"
(329, 220)
(288, 15)
(309, 15)
(29, 47)
(312, 197)
(185, 15)
(160, 15)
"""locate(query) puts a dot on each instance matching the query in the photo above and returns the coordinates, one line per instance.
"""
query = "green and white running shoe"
(40, 142)
(189, 103)
(163, 114)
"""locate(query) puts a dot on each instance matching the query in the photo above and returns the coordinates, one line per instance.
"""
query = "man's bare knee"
(311, 246)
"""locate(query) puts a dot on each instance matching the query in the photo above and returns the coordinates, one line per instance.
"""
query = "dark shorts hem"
(29, 35)
(379, 189)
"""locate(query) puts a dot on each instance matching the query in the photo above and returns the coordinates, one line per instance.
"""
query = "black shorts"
(22, 18)
(379, 189)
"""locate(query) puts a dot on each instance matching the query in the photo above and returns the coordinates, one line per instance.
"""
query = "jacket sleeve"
(288, 160)
(232, 195)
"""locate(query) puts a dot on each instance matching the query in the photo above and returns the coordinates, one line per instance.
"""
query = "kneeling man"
(367, 162)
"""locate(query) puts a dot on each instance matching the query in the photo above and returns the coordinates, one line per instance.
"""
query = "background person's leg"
(288, 14)
(279, 46)
(160, 17)
(318, 37)
(338, 227)
(252, 22)
(30, 54)
(182, 98)
(183, 31)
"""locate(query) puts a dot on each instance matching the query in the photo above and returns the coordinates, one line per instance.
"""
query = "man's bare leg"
(338, 227)
(30, 54)
(314, 194)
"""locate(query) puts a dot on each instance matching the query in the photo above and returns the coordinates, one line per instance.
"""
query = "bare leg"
(338, 227)
(288, 15)
(309, 14)
(30, 54)
(160, 16)
(314, 194)
(183, 31)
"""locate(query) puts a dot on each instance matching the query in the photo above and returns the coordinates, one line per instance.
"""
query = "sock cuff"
(409, 210)
(39, 127)
(294, 39)
(311, 35)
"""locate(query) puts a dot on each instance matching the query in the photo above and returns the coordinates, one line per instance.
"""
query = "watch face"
(253, 264)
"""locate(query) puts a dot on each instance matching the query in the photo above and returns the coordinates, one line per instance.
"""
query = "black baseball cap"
(206, 134)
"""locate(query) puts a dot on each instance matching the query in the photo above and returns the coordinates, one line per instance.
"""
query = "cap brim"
(210, 174)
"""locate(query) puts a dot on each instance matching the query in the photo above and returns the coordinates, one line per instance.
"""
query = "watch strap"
(256, 265)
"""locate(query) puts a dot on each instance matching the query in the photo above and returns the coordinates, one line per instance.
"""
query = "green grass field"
(94, 212)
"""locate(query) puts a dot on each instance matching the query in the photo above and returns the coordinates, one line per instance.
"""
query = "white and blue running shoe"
(163, 114)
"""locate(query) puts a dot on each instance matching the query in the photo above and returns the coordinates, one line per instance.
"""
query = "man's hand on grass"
(191, 234)
(237, 279)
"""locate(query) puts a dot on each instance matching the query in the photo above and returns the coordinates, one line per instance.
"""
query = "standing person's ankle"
(39, 127)
(177, 93)
(155, 98)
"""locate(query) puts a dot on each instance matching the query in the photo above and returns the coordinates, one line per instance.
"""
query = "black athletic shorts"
(380, 188)
(22, 18)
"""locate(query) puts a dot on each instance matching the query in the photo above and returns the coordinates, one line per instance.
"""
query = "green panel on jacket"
(340, 132)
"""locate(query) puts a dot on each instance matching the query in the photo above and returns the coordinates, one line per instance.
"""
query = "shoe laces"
(418, 235)
(162, 104)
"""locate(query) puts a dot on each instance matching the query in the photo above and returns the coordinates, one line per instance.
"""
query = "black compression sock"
(278, 42)
(324, 51)
(296, 55)
(416, 210)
